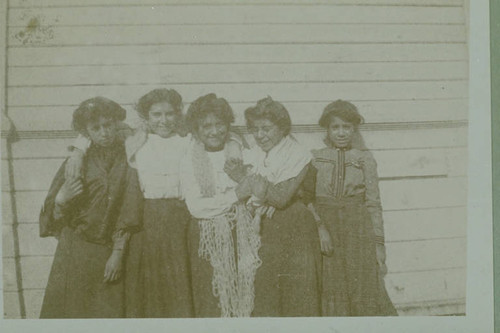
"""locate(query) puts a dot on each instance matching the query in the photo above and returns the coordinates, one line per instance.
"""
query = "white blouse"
(208, 207)
(158, 166)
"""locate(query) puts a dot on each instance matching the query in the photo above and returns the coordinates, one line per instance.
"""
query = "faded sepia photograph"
(228, 159)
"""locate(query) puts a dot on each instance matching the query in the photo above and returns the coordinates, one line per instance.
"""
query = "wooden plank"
(457, 162)
(57, 148)
(226, 54)
(452, 307)
(405, 256)
(30, 118)
(234, 14)
(250, 93)
(78, 3)
(36, 271)
(248, 73)
(29, 205)
(430, 286)
(33, 299)
(403, 288)
(31, 244)
(401, 139)
(396, 195)
(400, 163)
(5, 180)
(40, 148)
(411, 163)
(9, 274)
(423, 224)
(237, 34)
(3, 149)
(11, 308)
(39, 180)
(432, 254)
(382, 111)
(7, 217)
(423, 193)
(451, 138)
(7, 241)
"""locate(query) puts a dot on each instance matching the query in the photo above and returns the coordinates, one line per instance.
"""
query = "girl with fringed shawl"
(288, 282)
(90, 216)
(223, 240)
(351, 224)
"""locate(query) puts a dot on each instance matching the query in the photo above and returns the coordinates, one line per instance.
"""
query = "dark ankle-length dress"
(89, 228)
(288, 282)
(348, 203)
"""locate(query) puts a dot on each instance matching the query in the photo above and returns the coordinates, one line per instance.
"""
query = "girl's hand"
(381, 259)
(325, 241)
(243, 190)
(270, 212)
(259, 186)
(114, 266)
(70, 189)
(235, 169)
(74, 164)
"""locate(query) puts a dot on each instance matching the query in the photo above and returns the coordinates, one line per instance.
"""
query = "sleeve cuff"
(120, 240)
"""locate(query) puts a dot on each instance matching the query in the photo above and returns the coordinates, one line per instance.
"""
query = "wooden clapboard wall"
(404, 63)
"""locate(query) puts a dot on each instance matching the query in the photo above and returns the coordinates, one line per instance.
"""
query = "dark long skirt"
(159, 261)
(75, 288)
(352, 285)
(288, 282)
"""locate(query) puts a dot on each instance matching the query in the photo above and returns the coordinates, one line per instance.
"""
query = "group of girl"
(180, 218)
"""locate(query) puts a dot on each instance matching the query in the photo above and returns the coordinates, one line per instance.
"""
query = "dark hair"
(269, 109)
(205, 105)
(92, 109)
(342, 109)
(170, 96)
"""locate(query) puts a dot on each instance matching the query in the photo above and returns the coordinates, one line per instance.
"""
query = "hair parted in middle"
(205, 105)
(160, 95)
(275, 112)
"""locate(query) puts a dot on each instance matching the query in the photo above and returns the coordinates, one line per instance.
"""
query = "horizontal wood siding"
(404, 63)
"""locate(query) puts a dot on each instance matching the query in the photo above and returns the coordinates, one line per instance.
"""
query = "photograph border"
(479, 304)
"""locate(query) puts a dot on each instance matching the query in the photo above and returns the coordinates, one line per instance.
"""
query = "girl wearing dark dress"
(90, 217)
(351, 225)
(158, 284)
(288, 281)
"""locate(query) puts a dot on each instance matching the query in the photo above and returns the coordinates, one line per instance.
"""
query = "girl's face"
(213, 132)
(103, 131)
(340, 132)
(162, 119)
(266, 133)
